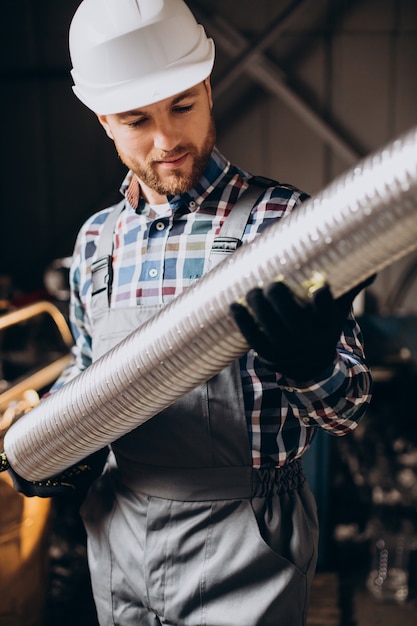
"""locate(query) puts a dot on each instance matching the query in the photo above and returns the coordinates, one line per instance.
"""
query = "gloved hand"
(295, 339)
(76, 480)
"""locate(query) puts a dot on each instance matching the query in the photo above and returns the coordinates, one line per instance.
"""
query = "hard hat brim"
(161, 85)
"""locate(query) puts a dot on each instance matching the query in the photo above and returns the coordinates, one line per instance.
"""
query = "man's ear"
(103, 121)
(207, 85)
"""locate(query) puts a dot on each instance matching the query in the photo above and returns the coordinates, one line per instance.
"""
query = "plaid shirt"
(159, 251)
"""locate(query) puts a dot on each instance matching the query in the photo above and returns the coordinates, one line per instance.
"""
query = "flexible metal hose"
(364, 221)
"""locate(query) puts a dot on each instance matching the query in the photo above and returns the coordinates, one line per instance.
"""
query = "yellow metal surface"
(38, 308)
(24, 522)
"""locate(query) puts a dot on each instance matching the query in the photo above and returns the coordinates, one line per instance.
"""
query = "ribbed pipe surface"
(364, 221)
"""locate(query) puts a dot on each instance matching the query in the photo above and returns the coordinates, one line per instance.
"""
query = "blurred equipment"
(34, 349)
(56, 279)
(374, 472)
(35, 343)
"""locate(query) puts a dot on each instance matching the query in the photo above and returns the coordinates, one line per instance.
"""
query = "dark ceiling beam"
(270, 76)
(264, 41)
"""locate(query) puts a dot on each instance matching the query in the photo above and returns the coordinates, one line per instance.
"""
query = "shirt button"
(153, 273)
(159, 226)
(306, 420)
(192, 204)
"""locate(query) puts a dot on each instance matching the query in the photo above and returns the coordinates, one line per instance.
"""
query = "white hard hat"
(131, 53)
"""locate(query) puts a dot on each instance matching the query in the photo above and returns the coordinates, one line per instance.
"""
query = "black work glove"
(74, 481)
(296, 339)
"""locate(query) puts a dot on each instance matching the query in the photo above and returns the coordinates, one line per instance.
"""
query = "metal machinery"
(35, 337)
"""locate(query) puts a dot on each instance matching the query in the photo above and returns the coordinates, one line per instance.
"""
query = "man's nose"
(166, 136)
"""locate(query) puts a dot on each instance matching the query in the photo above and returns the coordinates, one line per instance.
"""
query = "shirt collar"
(217, 167)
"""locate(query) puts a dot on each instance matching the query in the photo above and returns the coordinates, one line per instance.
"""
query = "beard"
(177, 182)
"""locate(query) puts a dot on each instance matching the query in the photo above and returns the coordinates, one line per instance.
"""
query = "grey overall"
(181, 529)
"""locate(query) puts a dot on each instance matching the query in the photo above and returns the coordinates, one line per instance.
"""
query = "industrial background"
(303, 90)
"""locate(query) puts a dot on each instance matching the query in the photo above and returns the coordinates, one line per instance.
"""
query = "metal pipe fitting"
(362, 222)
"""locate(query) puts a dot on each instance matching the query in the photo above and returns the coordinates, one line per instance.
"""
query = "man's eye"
(183, 109)
(140, 122)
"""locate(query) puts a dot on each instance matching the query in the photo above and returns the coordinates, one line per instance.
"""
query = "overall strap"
(102, 268)
(231, 233)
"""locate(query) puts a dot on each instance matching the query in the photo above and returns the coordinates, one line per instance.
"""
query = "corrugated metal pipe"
(362, 222)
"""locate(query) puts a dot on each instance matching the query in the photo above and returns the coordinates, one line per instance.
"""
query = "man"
(202, 515)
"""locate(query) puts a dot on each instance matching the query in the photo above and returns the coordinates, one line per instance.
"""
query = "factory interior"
(303, 91)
